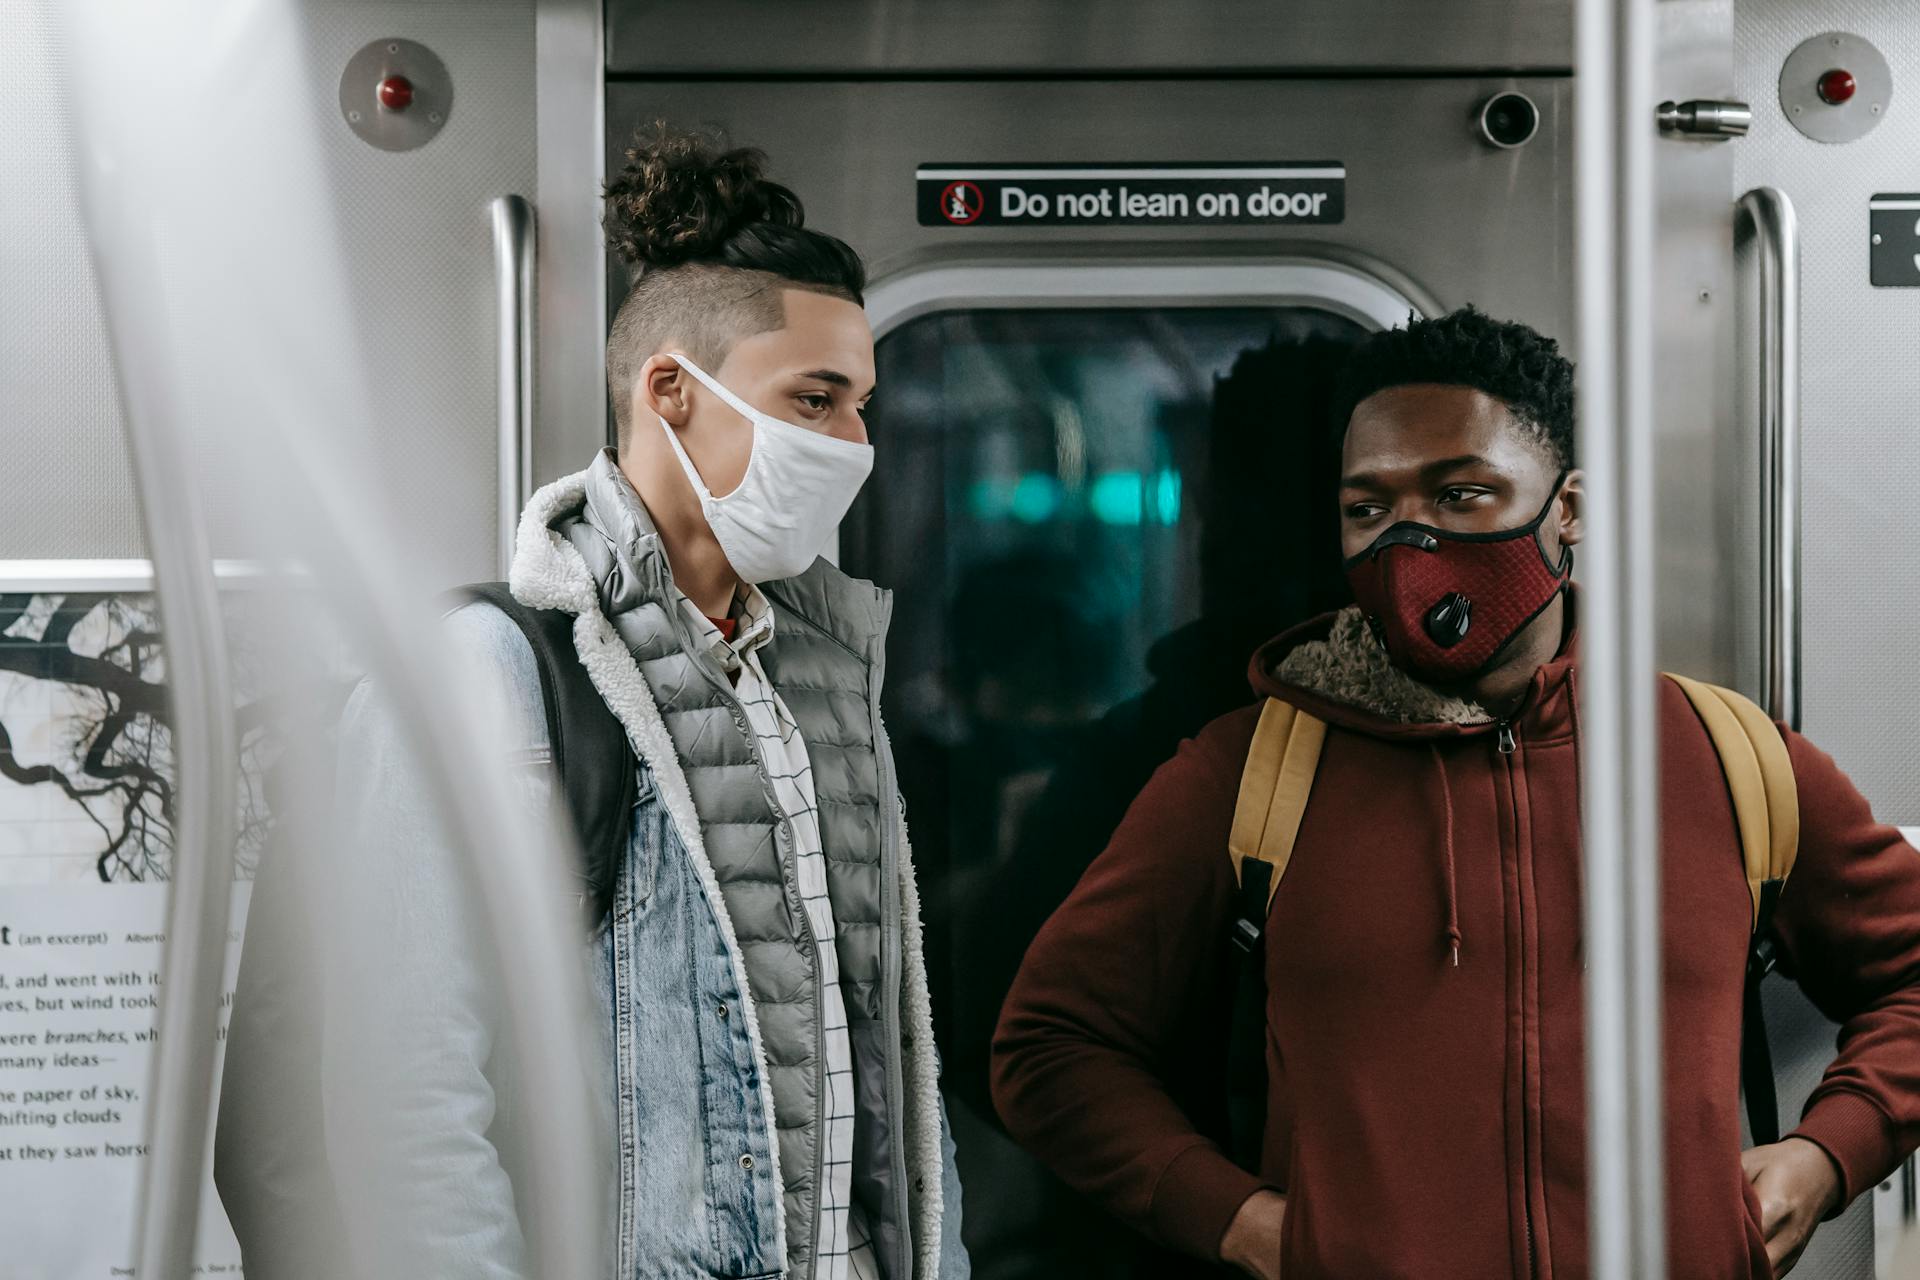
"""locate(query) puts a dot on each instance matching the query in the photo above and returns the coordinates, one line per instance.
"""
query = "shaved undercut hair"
(699, 308)
(710, 244)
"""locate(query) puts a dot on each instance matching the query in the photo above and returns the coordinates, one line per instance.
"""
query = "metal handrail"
(1770, 215)
(1614, 139)
(513, 241)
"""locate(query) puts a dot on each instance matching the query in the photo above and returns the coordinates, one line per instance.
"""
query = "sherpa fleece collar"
(1349, 666)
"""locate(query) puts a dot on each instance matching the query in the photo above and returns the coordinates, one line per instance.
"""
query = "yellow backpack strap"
(1274, 785)
(1766, 804)
(1760, 778)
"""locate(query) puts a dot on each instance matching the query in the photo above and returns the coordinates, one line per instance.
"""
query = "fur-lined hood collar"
(549, 573)
(1334, 668)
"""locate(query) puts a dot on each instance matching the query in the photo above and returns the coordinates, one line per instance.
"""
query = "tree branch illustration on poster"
(86, 759)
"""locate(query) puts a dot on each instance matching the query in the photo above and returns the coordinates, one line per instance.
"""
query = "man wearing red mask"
(1426, 1103)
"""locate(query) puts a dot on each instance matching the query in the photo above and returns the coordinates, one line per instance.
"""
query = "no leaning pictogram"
(1083, 194)
(961, 203)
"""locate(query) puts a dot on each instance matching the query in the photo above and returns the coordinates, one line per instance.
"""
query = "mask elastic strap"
(1563, 570)
(1553, 496)
(706, 380)
(673, 437)
(700, 489)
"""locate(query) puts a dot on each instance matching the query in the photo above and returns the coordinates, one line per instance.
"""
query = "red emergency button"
(396, 92)
(1836, 87)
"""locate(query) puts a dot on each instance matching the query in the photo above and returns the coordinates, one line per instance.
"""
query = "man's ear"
(1571, 507)
(661, 391)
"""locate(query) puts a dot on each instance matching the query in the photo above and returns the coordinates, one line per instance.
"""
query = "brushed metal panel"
(570, 387)
(63, 453)
(416, 237)
(1860, 378)
(859, 37)
(1697, 488)
(1860, 461)
(1456, 219)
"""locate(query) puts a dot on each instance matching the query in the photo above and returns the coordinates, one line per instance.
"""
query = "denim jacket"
(694, 1189)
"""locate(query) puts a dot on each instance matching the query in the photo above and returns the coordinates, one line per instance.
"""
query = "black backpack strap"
(1756, 1058)
(591, 754)
(1249, 924)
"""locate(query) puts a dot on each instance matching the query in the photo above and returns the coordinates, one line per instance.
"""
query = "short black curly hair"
(1467, 348)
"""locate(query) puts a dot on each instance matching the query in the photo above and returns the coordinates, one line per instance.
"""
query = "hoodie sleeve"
(1849, 926)
(1097, 1039)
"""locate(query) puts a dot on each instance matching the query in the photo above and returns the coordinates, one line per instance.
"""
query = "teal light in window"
(1115, 497)
(990, 500)
(1166, 497)
(1036, 498)
(1031, 498)
(1129, 498)
(1125, 498)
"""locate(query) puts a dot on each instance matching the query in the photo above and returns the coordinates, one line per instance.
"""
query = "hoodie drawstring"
(1446, 828)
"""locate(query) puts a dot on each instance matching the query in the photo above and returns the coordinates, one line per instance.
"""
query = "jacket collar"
(585, 542)
(1334, 668)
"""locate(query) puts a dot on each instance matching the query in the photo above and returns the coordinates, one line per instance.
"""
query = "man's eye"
(1459, 495)
(1364, 511)
(816, 402)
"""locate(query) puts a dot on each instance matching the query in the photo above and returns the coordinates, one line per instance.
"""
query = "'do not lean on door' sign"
(1147, 195)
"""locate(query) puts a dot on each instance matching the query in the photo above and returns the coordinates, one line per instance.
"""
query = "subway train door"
(1103, 457)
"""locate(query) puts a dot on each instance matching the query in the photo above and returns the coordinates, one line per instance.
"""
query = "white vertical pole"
(175, 268)
(1614, 137)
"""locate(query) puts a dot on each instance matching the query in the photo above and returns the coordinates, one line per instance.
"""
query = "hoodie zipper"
(1506, 743)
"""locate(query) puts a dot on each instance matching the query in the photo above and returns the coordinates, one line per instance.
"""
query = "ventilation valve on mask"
(1449, 621)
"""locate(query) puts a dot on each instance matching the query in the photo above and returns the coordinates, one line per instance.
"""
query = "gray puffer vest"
(826, 659)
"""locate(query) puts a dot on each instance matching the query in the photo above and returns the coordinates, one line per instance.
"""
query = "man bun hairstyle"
(710, 242)
(1467, 348)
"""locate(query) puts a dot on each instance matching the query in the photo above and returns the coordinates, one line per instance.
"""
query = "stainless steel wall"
(1695, 495)
(918, 37)
(1860, 457)
(1860, 383)
(413, 225)
(1428, 205)
(416, 232)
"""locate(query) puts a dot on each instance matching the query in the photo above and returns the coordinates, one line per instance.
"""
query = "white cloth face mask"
(797, 488)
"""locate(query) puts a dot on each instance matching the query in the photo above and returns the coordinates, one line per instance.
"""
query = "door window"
(1090, 517)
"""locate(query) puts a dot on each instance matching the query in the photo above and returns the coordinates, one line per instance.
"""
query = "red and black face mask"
(1447, 604)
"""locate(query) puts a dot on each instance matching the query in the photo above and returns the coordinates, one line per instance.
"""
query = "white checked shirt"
(845, 1251)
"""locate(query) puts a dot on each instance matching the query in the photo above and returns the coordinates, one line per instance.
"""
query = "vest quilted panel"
(826, 668)
(846, 784)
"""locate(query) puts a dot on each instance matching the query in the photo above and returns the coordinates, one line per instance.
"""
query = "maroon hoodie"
(1428, 1118)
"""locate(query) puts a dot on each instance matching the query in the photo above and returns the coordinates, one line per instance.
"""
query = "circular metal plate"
(415, 124)
(1815, 116)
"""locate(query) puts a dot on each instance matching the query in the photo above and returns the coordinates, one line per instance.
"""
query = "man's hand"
(1797, 1186)
(1252, 1242)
